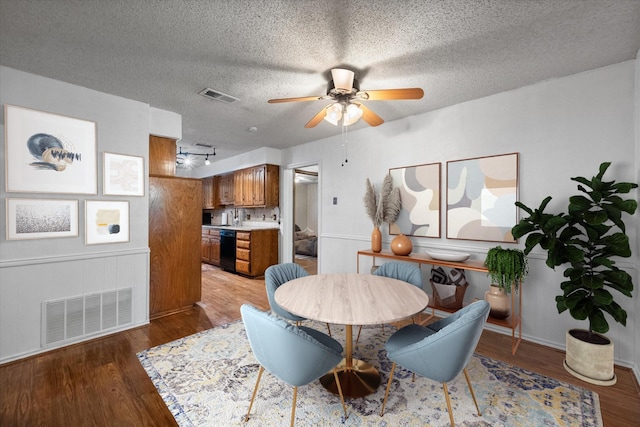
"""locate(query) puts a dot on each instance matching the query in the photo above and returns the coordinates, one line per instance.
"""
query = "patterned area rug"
(207, 379)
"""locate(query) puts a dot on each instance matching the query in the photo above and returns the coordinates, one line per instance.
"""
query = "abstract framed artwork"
(420, 196)
(123, 175)
(41, 218)
(49, 153)
(481, 196)
(106, 222)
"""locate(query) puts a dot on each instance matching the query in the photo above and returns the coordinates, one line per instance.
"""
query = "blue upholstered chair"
(441, 350)
(296, 355)
(274, 277)
(277, 275)
(409, 273)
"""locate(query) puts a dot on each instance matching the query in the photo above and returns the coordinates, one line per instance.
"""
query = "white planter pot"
(499, 302)
(592, 363)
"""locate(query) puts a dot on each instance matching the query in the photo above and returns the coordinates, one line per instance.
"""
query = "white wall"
(34, 271)
(561, 128)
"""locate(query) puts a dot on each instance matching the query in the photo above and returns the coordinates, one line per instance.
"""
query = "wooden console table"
(513, 322)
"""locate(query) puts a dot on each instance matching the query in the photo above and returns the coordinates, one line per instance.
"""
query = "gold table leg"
(357, 377)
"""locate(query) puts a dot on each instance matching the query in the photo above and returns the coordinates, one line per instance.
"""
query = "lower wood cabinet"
(255, 251)
(211, 246)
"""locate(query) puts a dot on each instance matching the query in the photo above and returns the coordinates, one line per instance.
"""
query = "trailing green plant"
(506, 267)
(588, 237)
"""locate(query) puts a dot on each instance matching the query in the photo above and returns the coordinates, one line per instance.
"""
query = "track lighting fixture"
(184, 156)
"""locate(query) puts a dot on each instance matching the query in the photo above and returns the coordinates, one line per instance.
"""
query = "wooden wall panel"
(175, 229)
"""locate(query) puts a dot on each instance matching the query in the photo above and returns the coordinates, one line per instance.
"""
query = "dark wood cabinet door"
(175, 229)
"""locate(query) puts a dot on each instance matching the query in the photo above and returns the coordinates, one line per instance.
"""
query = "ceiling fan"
(345, 91)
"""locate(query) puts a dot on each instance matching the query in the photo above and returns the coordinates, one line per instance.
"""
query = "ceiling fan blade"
(389, 94)
(304, 98)
(317, 118)
(370, 117)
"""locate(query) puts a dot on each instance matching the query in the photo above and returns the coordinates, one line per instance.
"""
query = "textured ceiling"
(164, 52)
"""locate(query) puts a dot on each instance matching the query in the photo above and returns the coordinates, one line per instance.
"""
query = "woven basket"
(454, 301)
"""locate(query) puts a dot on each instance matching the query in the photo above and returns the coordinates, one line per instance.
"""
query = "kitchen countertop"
(247, 227)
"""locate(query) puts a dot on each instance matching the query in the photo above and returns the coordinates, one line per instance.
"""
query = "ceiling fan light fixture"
(351, 114)
(334, 113)
(342, 79)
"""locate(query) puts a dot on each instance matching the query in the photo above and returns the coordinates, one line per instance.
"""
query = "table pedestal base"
(358, 380)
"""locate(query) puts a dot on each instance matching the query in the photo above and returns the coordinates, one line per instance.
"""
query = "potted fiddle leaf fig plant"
(587, 239)
(507, 268)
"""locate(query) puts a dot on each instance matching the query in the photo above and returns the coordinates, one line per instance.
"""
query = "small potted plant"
(507, 268)
(588, 238)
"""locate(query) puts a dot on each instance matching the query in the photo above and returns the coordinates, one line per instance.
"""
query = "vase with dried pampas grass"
(382, 208)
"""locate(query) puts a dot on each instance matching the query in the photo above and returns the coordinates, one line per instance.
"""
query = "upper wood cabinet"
(162, 156)
(257, 186)
(208, 193)
(224, 189)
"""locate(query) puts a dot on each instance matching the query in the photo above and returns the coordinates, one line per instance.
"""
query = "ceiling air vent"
(218, 96)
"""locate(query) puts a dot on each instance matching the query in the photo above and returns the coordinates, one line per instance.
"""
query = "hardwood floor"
(101, 382)
(308, 263)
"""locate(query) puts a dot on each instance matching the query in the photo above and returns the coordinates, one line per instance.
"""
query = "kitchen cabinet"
(256, 250)
(174, 229)
(208, 193)
(162, 156)
(224, 189)
(211, 246)
(258, 186)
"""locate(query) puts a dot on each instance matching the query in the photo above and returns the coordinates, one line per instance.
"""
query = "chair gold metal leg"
(446, 395)
(358, 337)
(293, 407)
(253, 396)
(344, 407)
(329, 329)
(386, 393)
(471, 389)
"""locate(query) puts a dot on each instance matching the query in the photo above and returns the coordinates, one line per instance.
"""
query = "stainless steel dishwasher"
(228, 249)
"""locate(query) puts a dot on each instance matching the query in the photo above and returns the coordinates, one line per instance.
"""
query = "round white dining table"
(351, 299)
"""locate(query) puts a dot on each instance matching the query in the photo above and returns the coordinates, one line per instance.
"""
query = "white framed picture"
(106, 222)
(49, 153)
(41, 218)
(123, 175)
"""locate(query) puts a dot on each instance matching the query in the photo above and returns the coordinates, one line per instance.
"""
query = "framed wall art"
(41, 218)
(49, 153)
(481, 196)
(123, 175)
(106, 222)
(420, 195)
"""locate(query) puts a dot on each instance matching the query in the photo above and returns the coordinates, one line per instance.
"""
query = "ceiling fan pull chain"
(344, 142)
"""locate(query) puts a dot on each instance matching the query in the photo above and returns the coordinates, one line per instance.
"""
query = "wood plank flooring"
(101, 382)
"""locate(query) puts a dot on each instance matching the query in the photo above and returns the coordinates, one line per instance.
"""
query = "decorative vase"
(499, 302)
(401, 245)
(589, 361)
(376, 240)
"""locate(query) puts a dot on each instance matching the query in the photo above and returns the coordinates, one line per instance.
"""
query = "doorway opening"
(305, 214)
